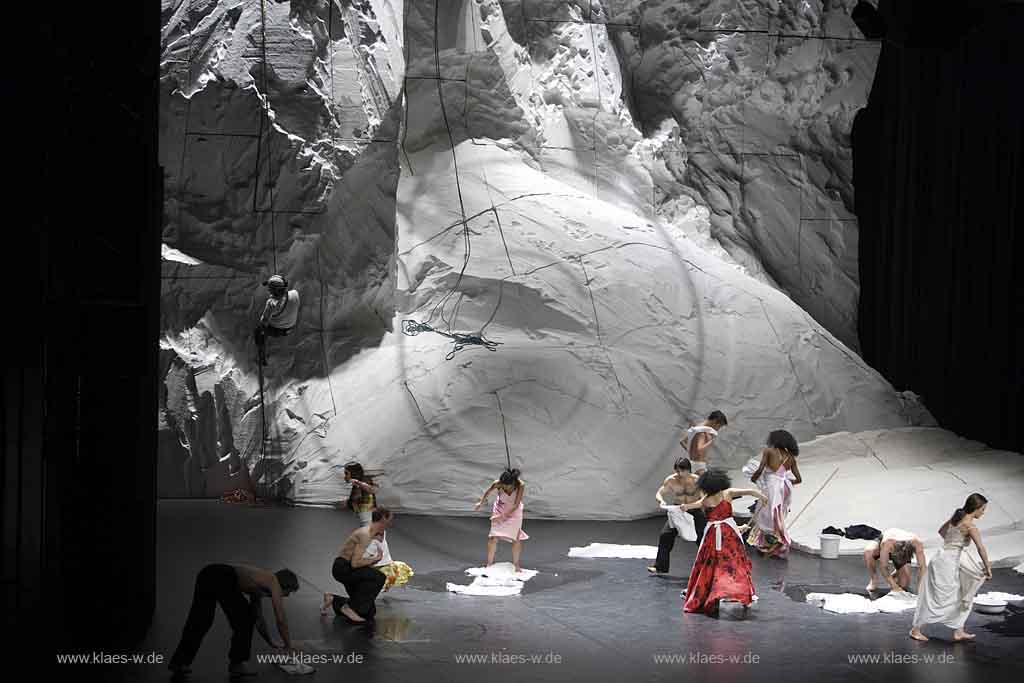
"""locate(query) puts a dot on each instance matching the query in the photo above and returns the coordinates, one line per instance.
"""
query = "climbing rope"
(459, 340)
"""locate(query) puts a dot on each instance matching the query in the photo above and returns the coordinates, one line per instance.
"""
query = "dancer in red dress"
(722, 568)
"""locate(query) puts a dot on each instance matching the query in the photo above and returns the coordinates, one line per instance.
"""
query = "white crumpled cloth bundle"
(851, 603)
(499, 580)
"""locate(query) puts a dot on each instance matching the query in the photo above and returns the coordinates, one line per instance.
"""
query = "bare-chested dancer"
(679, 488)
(891, 556)
(698, 439)
(238, 589)
(356, 572)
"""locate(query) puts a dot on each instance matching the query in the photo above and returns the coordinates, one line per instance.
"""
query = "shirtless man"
(679, 488)
(698, 439)
(357, 574)
(230, 585)
(893, 552)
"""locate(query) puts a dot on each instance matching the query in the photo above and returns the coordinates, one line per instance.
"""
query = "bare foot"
(962, 635)
(916, 634)
(517, 569)
(348, 612)
(871, 587)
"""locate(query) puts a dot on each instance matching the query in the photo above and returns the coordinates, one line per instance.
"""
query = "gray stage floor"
(593, 620)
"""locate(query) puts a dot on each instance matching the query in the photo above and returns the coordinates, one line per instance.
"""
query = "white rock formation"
(633, 279)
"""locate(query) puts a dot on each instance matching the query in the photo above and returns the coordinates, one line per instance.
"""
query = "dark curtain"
(82, 265)
(937, 173)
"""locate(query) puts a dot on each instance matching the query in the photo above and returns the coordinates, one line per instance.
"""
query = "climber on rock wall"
(279, 316)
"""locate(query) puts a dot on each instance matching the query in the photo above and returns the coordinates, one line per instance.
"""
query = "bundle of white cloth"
(611, 550)
(499, 580)
(378, 544)
(682, 521)
(851, 603)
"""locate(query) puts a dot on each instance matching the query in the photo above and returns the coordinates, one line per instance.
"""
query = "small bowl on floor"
(989, 606)
(732, 610)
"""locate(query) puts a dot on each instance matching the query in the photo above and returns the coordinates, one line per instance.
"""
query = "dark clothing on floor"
(362, 584)
(864, 532)
(667, 539)
(217, 583)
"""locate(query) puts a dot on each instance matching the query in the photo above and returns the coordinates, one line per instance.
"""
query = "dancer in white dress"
(778, 460)
(954, 576)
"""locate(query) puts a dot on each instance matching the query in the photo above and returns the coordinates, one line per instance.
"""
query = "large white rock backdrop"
(645, 203)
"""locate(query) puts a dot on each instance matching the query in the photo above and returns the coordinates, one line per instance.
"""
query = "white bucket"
(829, 546)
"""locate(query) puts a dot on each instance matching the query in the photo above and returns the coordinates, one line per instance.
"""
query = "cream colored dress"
(950, 584)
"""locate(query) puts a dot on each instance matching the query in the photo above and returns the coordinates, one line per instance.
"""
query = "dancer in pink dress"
(769, 524)
(506, 515)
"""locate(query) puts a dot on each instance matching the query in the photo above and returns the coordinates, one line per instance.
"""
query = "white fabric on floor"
(498, 580)
(682, 521)
(851, 603)
(996, 595)
(634, 552)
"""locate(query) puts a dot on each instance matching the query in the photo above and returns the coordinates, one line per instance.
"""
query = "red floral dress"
(719, 574)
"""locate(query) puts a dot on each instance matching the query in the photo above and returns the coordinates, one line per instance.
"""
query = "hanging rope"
(459, 340)
(504, 431)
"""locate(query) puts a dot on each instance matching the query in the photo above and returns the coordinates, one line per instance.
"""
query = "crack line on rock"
(405, 383)
(792, 365)
(481, 213)
(597, 326)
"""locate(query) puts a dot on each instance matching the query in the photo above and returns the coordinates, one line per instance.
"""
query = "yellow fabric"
(366, 503)
(397, 573)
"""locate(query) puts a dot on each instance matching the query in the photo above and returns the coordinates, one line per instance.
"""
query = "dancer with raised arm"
(954, 576)
(506, 515)
(722, 569)
(778, 459)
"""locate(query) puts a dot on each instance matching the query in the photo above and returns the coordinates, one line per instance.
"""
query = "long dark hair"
(784, 441)
(510, 477)
(356, 494)
(713, 481)
(972, 504)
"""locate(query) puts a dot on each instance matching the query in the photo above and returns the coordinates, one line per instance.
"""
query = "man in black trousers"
(362, 582)
(238, 589)
(679, 488)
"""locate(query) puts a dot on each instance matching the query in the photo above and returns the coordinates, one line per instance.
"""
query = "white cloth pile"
(851, 603)
(499, 580)
(996, 595)
(633, 552)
